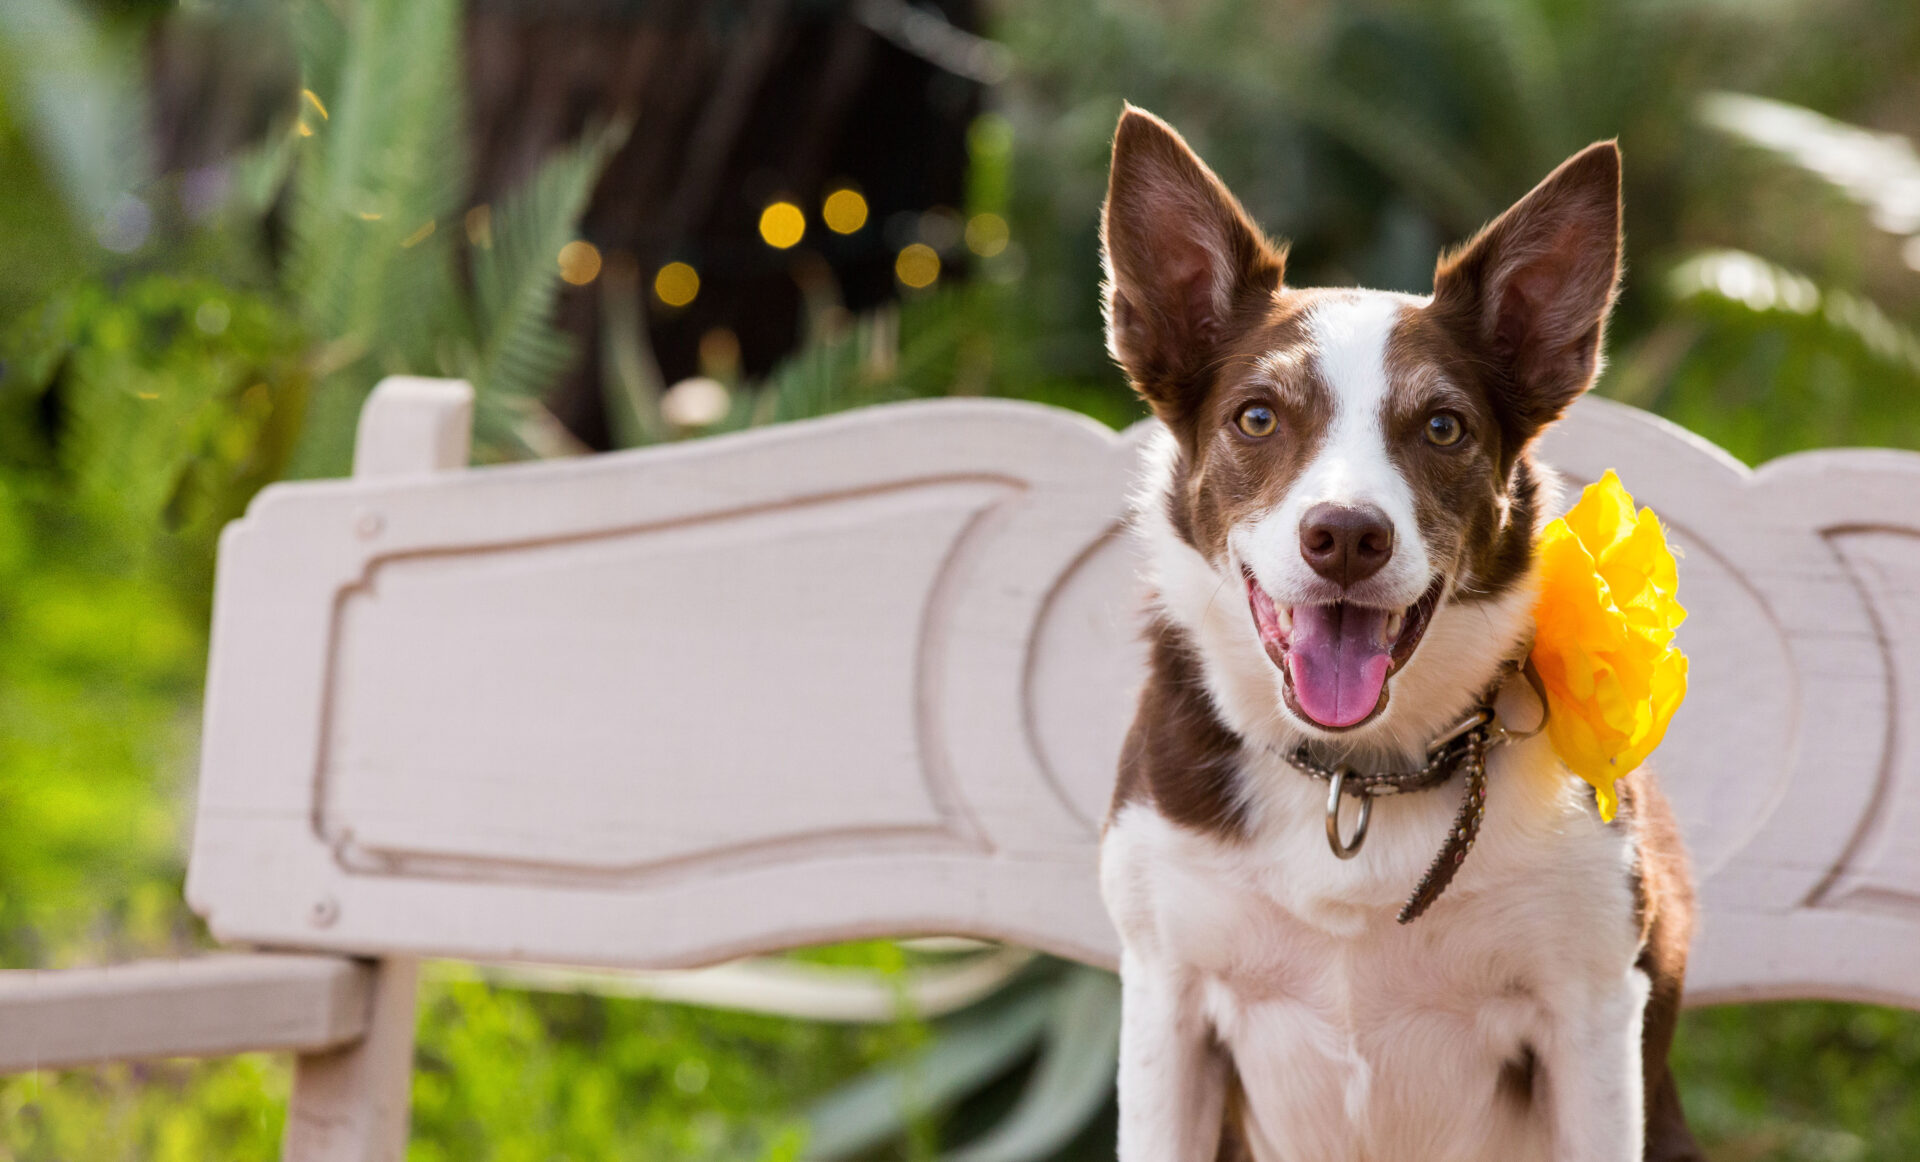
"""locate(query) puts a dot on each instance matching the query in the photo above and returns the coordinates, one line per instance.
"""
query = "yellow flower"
(1604, 636)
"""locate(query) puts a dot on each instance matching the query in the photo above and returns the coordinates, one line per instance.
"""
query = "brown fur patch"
(1186, 264)
(1527, 299)
(1234, 1146)
(1663, 907)
(1223, 476)
(1178, 756)
(1476, 500)
(1517, 1078)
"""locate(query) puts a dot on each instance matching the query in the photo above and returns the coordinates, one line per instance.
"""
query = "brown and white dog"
(1339, 534)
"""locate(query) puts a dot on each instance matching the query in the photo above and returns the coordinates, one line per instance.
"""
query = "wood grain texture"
(352, 1104)
(869, 675)
(205, 1007)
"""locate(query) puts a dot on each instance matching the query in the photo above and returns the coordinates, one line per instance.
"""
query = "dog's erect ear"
(1180, 256)
(1532, 291)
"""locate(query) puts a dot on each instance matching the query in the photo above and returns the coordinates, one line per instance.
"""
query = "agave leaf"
(78, 97)
(1074, 1078)
(1880, 171)
(1767, 342)
(971, 1049)
(1774, 295)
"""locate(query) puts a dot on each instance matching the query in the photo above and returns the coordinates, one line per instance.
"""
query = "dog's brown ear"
(1531, 293)
(1181, 256)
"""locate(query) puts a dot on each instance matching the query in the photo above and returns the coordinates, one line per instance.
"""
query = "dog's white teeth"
(1283, 616)
(1395, 624)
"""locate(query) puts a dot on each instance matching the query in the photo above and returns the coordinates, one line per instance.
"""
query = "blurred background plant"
(221, 222)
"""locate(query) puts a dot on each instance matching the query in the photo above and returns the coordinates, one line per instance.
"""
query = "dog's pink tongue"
(1338, 661)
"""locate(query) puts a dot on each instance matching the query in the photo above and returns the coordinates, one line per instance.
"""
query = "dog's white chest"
(1382, 1048)
(1355, 1038)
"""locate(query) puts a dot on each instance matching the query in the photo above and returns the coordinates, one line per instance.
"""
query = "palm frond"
(852, 369)
(518, 352)
(631, 382)
(381, 175)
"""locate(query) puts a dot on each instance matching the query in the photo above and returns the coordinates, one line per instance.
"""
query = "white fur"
(1351, 466)
(1357, 1039)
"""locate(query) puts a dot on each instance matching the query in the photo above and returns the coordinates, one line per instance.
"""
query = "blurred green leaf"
(971, 1048)
(516, 277)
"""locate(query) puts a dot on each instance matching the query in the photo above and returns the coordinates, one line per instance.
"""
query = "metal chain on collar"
(1443, 762)
(1463, 749)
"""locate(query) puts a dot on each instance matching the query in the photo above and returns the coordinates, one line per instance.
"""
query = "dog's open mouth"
(1336, 658)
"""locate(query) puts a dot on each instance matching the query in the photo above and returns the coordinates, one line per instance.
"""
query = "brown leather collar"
(1460, 750)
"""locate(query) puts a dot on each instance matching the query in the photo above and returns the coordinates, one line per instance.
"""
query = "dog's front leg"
(1172, 1075)
(1594, 1075)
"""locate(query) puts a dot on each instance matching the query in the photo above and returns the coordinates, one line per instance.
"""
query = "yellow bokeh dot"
(844, 211)
(986, 234)
(579, 262)
(676, 284)
(782, 225)
(918, 265)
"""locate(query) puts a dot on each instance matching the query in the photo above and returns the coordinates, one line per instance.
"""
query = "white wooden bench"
(869, 676)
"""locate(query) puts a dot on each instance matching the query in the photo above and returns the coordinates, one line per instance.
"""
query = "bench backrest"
(869, 675)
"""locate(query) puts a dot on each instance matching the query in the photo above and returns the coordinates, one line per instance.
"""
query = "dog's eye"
(1257, 420)
(1444, 429)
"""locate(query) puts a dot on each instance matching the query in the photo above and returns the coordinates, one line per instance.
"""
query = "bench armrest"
(204, 1007)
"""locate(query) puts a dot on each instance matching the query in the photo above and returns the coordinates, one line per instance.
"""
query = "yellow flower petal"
(1604, 628)
(1604, 511)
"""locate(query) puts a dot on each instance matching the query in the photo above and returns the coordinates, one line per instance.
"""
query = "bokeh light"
(782, 225)
(212, 317)
(479, 223)
(987, 234)
(844, 211)
(579, 262)
(941, 228)
(676, 284)
(917, 266)
(720, 353)
(696, 402)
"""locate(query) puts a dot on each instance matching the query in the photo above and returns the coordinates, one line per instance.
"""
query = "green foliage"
(1051, 1036)
(1801, 1082)
(1762, 342)
(134, 421)
(70, 143)
(378, 221)
(517, 351)
(1771, 305)
(509, 1076)
(171, 1111)
(162, 403)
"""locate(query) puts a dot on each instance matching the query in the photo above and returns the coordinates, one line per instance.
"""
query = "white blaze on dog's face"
(1354, 461)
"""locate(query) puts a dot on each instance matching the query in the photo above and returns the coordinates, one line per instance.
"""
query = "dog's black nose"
(1346, 545)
